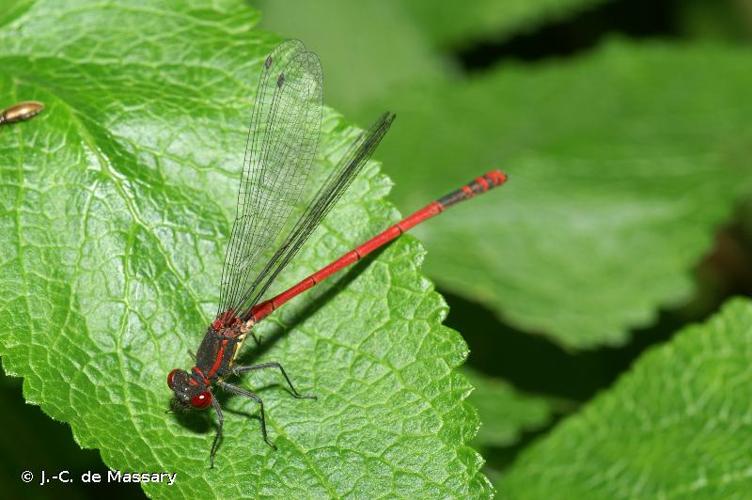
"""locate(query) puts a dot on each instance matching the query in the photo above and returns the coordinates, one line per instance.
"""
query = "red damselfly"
(268, 232)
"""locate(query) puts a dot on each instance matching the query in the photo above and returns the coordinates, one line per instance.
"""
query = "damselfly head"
(189, 393)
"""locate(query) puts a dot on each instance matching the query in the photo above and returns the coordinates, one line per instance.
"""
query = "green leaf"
(674, 427)
(504, 412)
(621, 164)
(716, 20)
(365, 67)
(455, 23)
(398, 43)
(117, 203)
(388, 39)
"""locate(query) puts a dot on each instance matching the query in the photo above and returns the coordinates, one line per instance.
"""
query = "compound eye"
(201, 400)
(171, 378)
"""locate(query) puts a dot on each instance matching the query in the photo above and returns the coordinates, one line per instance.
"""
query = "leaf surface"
(622, 165)
(116, 208)
(504, 411)
(674, 427)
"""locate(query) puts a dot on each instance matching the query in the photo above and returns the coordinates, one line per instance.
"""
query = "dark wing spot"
(281, 80)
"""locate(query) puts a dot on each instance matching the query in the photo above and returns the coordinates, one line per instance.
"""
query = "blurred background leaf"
(452, 24)
(619, 182)
(674, 426)
(366, 46)
(505, 412)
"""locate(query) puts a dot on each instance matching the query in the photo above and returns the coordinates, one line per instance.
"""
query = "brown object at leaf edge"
(20, 112)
